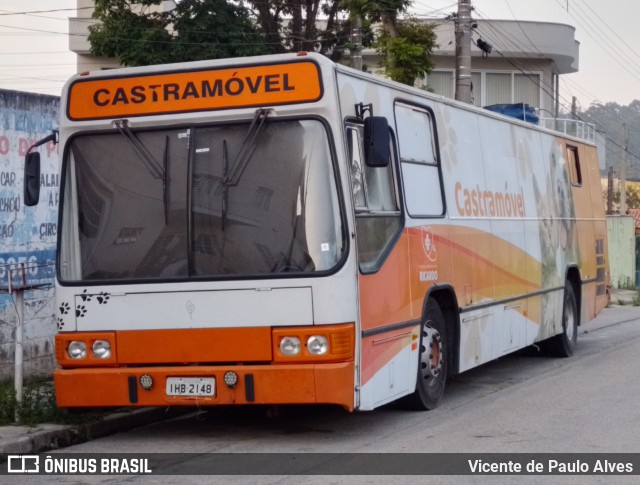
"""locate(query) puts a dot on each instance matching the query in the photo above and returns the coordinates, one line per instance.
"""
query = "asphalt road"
(522, 403)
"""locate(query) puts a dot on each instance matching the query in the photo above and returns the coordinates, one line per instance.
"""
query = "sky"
(34, 53)
(607, 30)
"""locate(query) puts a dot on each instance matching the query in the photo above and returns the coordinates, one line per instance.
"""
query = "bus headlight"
(290, 345)
(101, 349)
(317, 345)
(77, 349)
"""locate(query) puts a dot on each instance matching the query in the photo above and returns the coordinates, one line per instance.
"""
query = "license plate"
(191, 386)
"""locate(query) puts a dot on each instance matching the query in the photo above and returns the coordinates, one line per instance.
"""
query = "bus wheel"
(432, 364)
(564, 344)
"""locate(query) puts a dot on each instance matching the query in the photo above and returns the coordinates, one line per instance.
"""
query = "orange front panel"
(251, 344)
(196, 90)
(331, 383)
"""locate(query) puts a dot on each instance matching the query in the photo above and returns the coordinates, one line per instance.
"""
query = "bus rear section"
(203, 248)
(482, 235)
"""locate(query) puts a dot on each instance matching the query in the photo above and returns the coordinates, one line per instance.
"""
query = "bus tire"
(432, 363)
(564, 344)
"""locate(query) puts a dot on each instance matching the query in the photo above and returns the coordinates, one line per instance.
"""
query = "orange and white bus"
(285, 230)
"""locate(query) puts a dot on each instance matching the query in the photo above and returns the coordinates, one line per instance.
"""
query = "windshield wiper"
(165, 181)
(150, 163)
(143, 153)
(225, 187)
(246, 150)
(231, 177)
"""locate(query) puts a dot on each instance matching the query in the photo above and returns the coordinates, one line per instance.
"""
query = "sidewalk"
(15, 439)
(624, 297)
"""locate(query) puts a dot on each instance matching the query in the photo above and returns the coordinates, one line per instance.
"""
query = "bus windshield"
(200, 202)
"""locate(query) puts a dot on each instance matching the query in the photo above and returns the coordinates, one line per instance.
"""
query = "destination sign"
(195, 90)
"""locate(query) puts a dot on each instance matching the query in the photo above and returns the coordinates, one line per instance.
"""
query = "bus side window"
(419, 160)
(574, 165)
(357, 164)
(378, 217)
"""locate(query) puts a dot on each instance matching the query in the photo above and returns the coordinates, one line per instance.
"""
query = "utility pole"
(623, 171)
(356, 41)
(610, 191)
(463, 51)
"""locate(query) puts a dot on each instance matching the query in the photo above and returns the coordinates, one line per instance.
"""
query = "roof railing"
(576, 128)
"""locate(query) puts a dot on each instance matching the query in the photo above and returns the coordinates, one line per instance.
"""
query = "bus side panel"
(584, 213)
(387, 352)
(472, 255)
(595, 295)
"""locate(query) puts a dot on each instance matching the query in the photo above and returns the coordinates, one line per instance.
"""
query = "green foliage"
(374, 10)
(408, 56)
(38, 405)
(609, 119)
(632, 191)
(7, 403)
(136, 35)
(137, 32)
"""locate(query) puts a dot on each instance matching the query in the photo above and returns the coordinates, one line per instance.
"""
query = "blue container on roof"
(520, 111)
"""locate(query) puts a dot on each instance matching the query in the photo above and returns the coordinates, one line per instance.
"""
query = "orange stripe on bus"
(194, 345)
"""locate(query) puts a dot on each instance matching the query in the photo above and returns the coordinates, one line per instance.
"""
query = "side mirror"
(32, 179)
(376, 141)
(31, 189)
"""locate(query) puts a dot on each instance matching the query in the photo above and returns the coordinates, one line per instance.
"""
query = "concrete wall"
(622, 251)
(27, 234)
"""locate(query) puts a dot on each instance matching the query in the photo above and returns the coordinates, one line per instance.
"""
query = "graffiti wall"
(27, 234)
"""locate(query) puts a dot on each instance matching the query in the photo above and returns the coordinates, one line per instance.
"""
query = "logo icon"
(428, 243)
(23, 464)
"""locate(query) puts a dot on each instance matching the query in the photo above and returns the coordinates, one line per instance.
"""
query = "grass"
(38, 405)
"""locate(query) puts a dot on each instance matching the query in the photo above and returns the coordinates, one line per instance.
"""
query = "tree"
(136, 34)
(407, 56)
(632, 191)
(608, 119)
(311, 25)
(406, 45)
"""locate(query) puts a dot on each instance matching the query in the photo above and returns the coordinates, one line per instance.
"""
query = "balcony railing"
(576, 128)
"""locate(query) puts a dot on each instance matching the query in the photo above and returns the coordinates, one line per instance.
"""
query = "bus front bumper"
(324, 383)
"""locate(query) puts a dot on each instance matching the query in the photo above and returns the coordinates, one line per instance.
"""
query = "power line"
(29, 12)
(612, 137)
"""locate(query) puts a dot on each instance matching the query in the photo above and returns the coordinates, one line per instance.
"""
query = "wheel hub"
(431, 355)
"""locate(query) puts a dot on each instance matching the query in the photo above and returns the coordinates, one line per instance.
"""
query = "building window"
(491, 87)
(526, 88)
(442, 82)
(498, 88)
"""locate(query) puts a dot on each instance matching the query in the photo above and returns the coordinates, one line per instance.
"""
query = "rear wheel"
(564, 344)
(432, 365)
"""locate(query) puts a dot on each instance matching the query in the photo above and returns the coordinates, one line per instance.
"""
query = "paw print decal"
(103, 298)
(85, 296)
(81, 311)
(60, 323)
(64, 308)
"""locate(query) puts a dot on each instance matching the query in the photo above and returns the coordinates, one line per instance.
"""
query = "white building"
(523, 67)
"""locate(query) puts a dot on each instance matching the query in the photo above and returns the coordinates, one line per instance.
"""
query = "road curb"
(47, 437)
